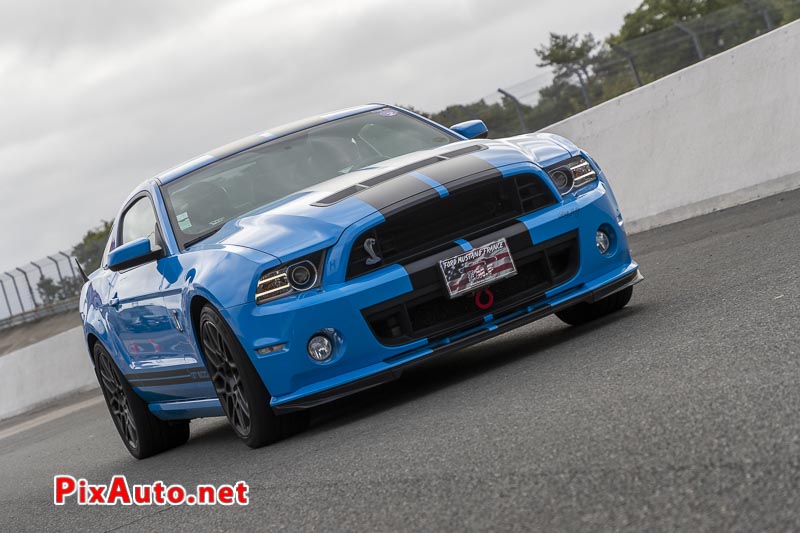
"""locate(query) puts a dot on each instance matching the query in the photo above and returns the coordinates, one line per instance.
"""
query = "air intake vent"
(533, 193)
(428, 313)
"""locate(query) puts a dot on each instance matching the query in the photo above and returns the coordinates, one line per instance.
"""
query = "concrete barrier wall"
(45, 371)
(720, 133)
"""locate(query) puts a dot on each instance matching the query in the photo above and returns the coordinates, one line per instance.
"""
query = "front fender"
(224, 275)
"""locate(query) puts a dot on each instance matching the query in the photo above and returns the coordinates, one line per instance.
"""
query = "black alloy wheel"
(117, 401)
(225, 376)
(141, 431)
(240, 390)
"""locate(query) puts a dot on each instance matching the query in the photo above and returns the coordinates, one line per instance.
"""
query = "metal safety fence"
(613, 69)
(38, 289)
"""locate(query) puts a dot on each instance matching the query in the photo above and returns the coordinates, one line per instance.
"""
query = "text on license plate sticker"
(478, 267)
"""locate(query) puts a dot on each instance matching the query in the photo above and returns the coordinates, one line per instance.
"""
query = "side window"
(139, 221)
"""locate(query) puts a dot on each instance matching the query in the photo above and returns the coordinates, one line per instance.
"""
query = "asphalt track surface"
(680, 412)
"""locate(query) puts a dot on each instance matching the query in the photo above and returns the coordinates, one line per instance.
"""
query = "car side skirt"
(187, 409)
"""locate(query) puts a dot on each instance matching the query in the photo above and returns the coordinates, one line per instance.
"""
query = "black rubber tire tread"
(265, 426)
(154, 435)
(585, 312)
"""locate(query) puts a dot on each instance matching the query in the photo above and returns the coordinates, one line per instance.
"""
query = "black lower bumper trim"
(479, 336)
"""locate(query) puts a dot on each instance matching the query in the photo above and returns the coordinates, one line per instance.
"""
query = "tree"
(48, 290)
(568, 53)
(51, 291)
(499, 118)
(655, 15)
(90, 250)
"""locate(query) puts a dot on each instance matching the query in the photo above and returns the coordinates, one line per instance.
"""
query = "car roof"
(257, 139)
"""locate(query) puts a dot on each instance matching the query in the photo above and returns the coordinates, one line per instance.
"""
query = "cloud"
(98, 96)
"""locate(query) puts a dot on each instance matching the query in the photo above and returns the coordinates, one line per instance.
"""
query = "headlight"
(571, 174)
(298, 276)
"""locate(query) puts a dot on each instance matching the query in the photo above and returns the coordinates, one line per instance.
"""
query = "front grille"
(466, 213)
(429, 313)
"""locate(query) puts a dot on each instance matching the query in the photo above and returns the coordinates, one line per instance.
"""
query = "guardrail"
(70, 304)
(38, 289)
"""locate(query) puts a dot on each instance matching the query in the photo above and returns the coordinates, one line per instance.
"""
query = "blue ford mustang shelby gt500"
(323, 257)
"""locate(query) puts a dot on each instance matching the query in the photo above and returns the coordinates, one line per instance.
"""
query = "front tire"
(141, 431)
(586, 312)
(240, 390)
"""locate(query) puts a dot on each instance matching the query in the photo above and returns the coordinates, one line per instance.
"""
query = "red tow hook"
(484, 299)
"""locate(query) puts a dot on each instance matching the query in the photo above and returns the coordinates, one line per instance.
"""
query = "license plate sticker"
(478, 267)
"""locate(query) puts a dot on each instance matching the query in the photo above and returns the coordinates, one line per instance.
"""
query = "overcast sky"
(97, 96)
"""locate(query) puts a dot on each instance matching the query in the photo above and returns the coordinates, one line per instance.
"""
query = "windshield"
(202, 201)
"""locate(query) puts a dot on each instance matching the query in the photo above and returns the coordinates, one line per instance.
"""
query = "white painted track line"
(49, 416)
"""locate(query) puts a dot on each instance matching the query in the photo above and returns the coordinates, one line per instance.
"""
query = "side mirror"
(133, 254)
(471, 129)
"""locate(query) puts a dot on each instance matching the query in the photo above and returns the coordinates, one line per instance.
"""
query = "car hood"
(315, 218)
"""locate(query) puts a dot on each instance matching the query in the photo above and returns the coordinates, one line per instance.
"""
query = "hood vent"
(358, 187)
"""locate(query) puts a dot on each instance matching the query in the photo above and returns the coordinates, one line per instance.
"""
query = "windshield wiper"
(202, 237)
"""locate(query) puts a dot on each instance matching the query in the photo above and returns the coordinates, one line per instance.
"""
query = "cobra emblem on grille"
(369, 247)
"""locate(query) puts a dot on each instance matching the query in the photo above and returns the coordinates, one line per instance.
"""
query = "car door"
(137, 312)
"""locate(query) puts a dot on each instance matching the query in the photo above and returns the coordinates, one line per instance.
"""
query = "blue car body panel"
(145, 316)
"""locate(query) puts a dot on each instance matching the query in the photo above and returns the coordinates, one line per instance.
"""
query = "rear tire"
(240, 390)
(586, 312)
(142, 433)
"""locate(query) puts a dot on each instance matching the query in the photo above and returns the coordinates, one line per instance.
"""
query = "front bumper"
(361, 360)
(474, 336)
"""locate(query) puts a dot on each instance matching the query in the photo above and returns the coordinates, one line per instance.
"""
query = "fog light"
(603, 241)
(320, 348)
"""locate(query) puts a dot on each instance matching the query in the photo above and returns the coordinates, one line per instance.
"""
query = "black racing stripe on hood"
(417, 165)
(358, 187)
(464, 151)
(400, 171)
(397, 194)
(455, 169)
